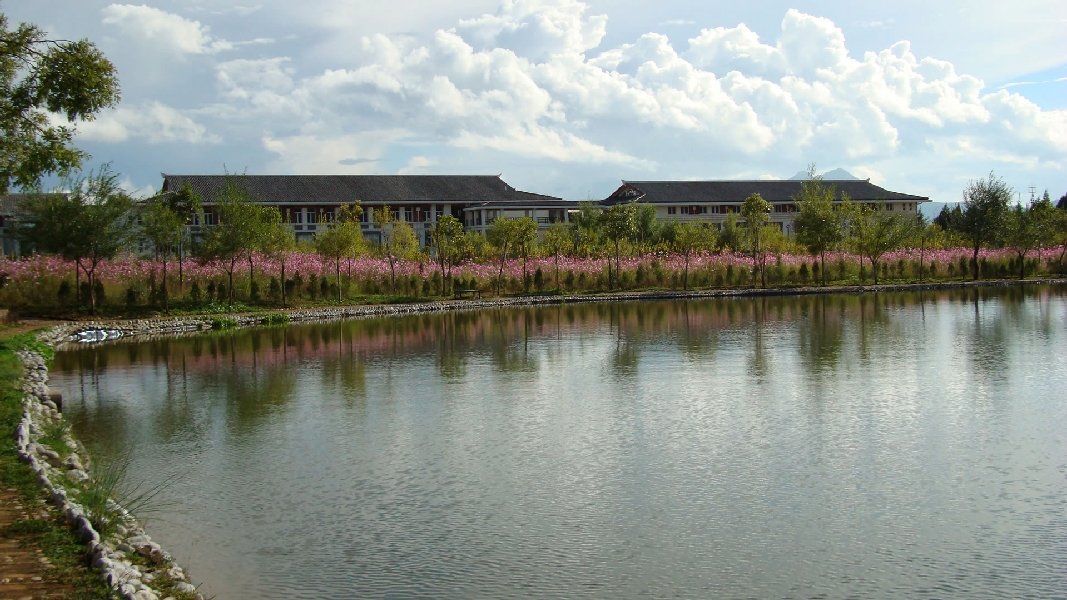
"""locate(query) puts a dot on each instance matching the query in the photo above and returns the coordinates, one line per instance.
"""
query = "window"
(408, 215)
(671, 210)
(209, 219)
(328, 216)
(298, 216)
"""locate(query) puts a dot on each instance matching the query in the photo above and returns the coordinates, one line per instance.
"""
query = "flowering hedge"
(37, 280)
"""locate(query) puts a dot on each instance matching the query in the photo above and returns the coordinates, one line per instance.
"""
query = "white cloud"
(533, 82)
(316, 153)
(416, 165)
(167, 30)
(153, 122)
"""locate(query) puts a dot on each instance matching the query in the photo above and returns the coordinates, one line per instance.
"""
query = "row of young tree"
(99, 221)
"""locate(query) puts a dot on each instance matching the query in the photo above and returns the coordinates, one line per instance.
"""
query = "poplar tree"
(985, 209)
(818, 223)
(757, 213)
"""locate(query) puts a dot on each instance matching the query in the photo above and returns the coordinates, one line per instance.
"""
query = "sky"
(568, 98)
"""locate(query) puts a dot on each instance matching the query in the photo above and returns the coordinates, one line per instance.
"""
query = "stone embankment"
(98, 331)
(132, 564)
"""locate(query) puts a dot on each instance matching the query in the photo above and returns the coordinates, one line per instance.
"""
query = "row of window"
(778, 208)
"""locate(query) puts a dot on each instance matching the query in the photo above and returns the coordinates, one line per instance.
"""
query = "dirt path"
(24, 571)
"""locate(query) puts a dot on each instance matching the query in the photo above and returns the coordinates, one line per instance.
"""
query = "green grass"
(57, 542)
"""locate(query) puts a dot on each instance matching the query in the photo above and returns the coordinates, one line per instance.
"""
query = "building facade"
(307, 202)
(712, 201)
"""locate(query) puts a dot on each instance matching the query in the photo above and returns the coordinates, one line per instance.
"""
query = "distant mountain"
(835, 175)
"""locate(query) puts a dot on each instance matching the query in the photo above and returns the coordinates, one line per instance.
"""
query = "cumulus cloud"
(154, 122)
(533, 81)
(320, 153)
(167, 30)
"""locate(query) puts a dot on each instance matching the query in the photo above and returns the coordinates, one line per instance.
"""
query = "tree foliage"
(39, 77)
(757, 213)
(818, 223)
(982, 218)
(342, 239)
(876, 231)
(89, 224)
(689, 238)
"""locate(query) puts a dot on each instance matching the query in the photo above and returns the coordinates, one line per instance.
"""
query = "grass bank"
(69, 574)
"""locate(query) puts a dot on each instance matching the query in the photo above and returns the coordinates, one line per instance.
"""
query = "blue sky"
(566, 98)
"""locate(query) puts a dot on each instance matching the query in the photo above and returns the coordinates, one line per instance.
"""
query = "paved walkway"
(24, 571)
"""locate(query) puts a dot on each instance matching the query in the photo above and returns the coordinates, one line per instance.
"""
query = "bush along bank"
(134, 566)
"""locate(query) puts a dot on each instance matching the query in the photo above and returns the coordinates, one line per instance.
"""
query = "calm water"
(883, 446)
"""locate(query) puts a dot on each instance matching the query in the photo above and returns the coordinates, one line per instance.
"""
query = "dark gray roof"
(682, 192)
(338, 189)
(9, 204)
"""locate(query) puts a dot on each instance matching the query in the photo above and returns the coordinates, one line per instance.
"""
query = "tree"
(342, 238)
(924, 233)
(618, 224)
(40, 77)
(185, 203)
(502, 235)
(88, 225)
(164, 228)
(985, 208)
(689, 238)
(278, 241)
(757, 213)
(584, 228)
(525, 231)
(445, 237)
(398, 239)
(818, 223)
(875, 231)
(730, 236)
(237, 229)
(1027, 227)
(555, 242)
(648, 228)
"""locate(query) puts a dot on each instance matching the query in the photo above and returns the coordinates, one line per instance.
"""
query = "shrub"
(223, 323)
(66, 289)
(194, 292)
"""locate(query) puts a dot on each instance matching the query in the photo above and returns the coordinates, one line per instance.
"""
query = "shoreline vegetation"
(97, 330)
(42, 286)
(91, 546)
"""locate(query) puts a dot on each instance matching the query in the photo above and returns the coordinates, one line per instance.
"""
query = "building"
(308, 201)
(712, 201)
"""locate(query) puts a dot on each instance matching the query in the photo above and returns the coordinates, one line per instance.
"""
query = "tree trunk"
(338, 281)
(77, 284)
(974, 262)
(392, 273)
(1022, 266)
(557, 270)
(922, 255)
(251, 277)
(874, 267)
(181, 279)
(229, 291)
(91, 274)
(283, 282)
(163, 288)
(685, 275)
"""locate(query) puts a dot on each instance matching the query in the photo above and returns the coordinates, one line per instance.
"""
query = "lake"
(888, 445)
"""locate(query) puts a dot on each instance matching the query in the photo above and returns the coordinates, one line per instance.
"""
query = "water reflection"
(880, 445)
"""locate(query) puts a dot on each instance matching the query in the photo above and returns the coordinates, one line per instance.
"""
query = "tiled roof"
(682, 192)
(338, 189)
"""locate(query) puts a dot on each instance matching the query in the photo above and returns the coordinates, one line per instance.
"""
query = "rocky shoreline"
(82, 332)
(128, 560)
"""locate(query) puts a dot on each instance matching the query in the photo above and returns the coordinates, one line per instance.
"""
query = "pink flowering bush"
(38, 282)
